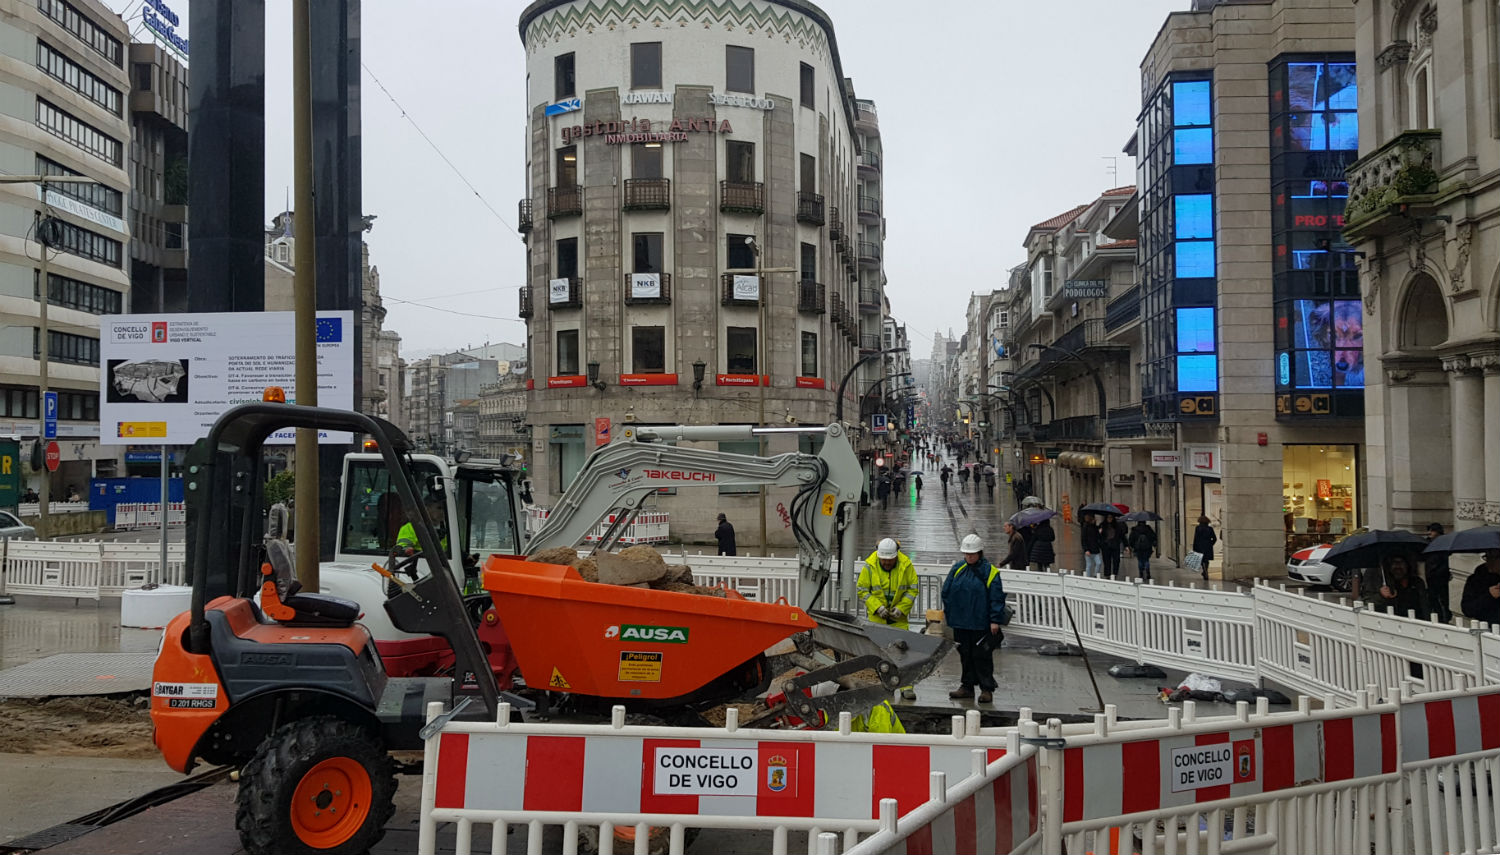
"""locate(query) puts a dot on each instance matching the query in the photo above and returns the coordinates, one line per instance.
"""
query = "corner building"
(1252, 364)
(693, 219)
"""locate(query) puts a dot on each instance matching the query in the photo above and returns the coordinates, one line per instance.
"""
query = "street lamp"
(1087, 366)
(838, 414)
(699, 366)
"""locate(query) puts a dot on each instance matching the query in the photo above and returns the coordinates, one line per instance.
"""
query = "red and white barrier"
(648, 527)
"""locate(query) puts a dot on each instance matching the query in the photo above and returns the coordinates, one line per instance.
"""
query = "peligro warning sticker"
(636, 667)
(558, 681)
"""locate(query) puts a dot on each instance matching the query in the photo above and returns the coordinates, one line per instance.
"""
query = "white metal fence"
(647, 527)
(31, 509)
(89, 569)
(135, 515)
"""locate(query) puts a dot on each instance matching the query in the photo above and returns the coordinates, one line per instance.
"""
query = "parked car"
(1306, 565)
(12, 528)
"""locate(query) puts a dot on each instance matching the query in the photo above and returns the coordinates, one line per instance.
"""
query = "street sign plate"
(878, 423)
(49, 416)
(1086, 287)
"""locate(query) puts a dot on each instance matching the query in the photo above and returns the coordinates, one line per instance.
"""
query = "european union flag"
(330, 329)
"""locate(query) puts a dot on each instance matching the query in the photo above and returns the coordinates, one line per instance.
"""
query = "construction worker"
(406, 538)
(881, 719)
(888, 587)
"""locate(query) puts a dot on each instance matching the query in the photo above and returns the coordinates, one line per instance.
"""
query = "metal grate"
(48, 837)
(78, 674)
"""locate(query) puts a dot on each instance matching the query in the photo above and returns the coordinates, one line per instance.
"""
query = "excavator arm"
(619, 476)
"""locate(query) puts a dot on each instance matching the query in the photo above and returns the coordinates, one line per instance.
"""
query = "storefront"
(1319, 493)
(1203, 496)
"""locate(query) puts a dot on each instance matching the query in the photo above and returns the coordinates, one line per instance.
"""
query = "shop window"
(648, 350)
(645, 65)
(808, 85)
(747, 447)
(739, 69)
(562, 73)
(739, 351)
(809, 354)
(739, 161)
(567, 353)
(646, 161)
(567, 258)
(1320, 496)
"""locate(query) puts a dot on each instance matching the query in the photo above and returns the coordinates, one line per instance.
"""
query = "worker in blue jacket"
(974, 607)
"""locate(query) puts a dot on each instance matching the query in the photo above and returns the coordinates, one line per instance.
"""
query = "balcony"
(869, 342)
(565, 294)
(810, 208)
(564, 201)
(869, 299)
(526, 311)
(1403, 172)
(869, 160)
(1075, 427)
(742, 197)
(647, 194)
(743, 298)
(835, 225)
(864, 111)
(1041, 433)
(523, 216)
(869, 252)
(836, 310)
(869, 208)
(642, 290)
(1123, 309)
(811, 297)
(1125, 422)
(1089, 335)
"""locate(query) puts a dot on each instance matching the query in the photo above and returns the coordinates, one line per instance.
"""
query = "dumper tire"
(299, 781)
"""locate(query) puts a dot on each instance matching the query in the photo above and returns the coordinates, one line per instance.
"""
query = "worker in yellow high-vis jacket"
(888, 587)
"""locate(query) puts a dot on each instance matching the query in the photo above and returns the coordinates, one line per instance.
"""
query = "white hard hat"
(887, 548)
(971, 543)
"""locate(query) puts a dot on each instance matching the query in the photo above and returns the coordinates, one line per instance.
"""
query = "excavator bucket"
(915, 655)
(608, 641)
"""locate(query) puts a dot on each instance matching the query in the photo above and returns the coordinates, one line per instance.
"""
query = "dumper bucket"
(609, 641)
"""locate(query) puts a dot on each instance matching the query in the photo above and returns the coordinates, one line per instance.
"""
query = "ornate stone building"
(1424, 212)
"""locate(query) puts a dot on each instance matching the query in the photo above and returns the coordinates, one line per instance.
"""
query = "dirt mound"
(78, 726)
(632, 567)
(564, 555)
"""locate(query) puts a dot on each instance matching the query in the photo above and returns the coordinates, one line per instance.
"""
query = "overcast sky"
(994, 115)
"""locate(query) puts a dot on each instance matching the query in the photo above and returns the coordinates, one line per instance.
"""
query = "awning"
(1079, 460)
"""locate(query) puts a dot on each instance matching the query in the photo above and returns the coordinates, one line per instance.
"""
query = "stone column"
(1490, 363)
(1468, 440)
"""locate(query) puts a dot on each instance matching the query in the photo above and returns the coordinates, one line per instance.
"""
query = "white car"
(1306, 565)
(12, 528)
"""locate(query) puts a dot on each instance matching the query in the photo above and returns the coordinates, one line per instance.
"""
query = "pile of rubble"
(631, 567)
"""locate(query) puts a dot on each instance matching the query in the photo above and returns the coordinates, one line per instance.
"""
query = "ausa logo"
(635, 632)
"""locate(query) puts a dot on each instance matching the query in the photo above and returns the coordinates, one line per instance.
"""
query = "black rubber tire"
(1341, 580)
(263, 811)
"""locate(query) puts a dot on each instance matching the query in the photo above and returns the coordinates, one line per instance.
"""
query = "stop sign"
(54, 456)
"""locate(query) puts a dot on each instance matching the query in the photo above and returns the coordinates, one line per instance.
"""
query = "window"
(141, 76)
(809, 174)
(809, 354)
(73, 294)
(739, 161)
(65, 347)
(739, 352)
(645, 65)
(646, 161)
(809, 85)
(81, 134)
(567, 258)
(19, 403)
(809, 262)
(84, 29)
(648, 350)
(740, 256)
(739, 69)
(562, 73)
(567, 352)
(749, 447)
(86, 244)
(90, 86)
(101, 196)
(648, 252)
(567, 166)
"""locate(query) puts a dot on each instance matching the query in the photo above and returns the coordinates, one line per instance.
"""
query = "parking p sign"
(878, 423)
(49, 416)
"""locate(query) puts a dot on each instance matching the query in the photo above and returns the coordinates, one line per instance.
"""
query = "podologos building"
(701, 233)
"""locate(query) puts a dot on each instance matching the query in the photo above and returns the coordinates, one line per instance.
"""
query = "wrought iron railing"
(730, 299)
(564, 201)
(810, 208)
(523, 216)
(746, 197)
(526, 311)
(640, 294)
(811, 297)
(647, 194)
(569, 296)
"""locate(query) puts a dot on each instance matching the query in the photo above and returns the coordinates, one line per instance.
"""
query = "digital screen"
(1195, 216)
(1328, 338)
(1195, 259)
(1322, 86)
(1190, 103)
(1323, 131)
(1197, 373)
(1193, 145)
(1195, 330)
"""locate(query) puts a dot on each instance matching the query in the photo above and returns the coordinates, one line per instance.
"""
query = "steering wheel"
(407, 564)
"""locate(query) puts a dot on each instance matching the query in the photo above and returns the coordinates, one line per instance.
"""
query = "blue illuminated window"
(1195, 259)
(1195, 216)
(1197, 373)
(1194, 145)
(1195, 330)
(1190, 103)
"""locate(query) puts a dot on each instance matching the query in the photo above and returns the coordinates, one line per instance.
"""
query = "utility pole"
(304, 290)
(43, 298)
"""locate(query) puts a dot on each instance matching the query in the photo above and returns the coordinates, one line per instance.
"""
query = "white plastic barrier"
(89, 569)
(648, 527)
(134, 515)
(31, 509)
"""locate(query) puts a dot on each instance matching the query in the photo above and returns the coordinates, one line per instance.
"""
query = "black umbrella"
(1031, 516)
(1367, 548)
(1480, 539)
(1142, 516)
(1100, 508)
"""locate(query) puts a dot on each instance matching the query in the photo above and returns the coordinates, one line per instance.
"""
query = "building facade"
(502, 418)
(62, 112)
(1249, 297)
(159, 180)
(699, 228)
(1424, 212)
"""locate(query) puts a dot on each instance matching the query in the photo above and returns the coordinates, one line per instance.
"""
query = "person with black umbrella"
(1482, 592)
(1439, 577)
(1402, 590)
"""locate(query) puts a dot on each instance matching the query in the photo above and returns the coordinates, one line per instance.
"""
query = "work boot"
(909, 694)
(962, 692)
(985, 697)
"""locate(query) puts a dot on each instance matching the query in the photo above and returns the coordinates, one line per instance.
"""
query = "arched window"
(1420, 86)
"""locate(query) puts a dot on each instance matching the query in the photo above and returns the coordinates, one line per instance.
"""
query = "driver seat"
(281, 601)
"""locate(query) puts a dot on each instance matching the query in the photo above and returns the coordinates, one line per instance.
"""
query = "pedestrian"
(1142, 542)
(1402, 591)
(1481, 599)
(963, 475)
(883, 489)
(974, 606)
(1015, 559)
(917, 482)
(888, 587)
(1203, 543)
(1093, 562)
(944, 476)
(31, 497)
(1042, 554)
(1111, 544)
(724, 534)
(1439, 577)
